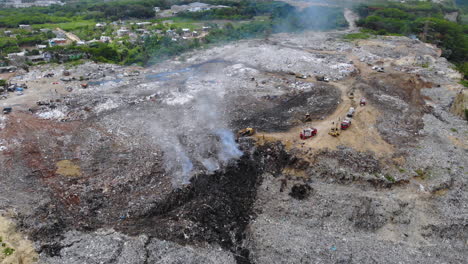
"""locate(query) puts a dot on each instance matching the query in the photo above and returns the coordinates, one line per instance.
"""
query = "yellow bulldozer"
(334, 130)
(246, 132)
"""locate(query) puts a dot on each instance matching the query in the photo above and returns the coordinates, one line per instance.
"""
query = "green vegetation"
(453, 130)
(80, 11)
(248, 19)
(463, 69)
(423, 19)
(423, 174)
(390, 178)
(354, 36)
(8, 251)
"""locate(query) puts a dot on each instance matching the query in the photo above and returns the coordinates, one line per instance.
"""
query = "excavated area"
(146, 167)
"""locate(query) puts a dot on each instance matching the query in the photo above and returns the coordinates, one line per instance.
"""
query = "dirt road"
(362, 135)
(69, 35)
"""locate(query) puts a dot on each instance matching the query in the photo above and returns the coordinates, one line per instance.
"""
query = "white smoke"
(190, 127)
(228, 148)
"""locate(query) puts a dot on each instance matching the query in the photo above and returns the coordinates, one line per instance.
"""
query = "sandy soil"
(23, 248)
(362, 135)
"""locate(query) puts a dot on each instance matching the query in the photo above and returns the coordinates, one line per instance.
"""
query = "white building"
(123, 32)
(143, 24)
(13, 55)
(27, 27)
(105, 39)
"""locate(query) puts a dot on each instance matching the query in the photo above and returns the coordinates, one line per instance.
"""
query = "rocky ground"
(142, 166)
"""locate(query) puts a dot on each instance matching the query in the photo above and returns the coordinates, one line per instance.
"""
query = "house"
(105, 39)
(186, 32)
(80, 43)
(36, 58)
(27, 27)
(71, 57)
(91, 41)
(194, 7)
(206, 28)
(157, 9)
(143, 24)
(123, 32)
(57, 42)
(45, 30)
(38, 46)
(195, 34)
(12, 56)
(100, 25)
(5, 69)
(59, 34)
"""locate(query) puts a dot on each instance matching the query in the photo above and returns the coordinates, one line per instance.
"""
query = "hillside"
(203, 154)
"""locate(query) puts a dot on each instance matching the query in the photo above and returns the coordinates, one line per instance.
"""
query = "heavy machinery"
(308, 133)
(246, 132)
(350, 112)
(322, 78)
(7, 110)
(351, 95)
(334, 130)
(345, 124)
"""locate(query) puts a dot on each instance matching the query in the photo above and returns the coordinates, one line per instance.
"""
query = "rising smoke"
(190, 127)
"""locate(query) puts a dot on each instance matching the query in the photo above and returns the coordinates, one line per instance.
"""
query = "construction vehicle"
(246, 132)
(300, 76)
(363, 101)
(351, 95)
(322, 78)
(307, 118)
(378, 69)
(7, 110)
(334, 131)
(345, 124)
(350, 112)
(308, 133)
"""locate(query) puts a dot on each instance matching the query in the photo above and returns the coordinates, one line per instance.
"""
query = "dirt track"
(362, 135)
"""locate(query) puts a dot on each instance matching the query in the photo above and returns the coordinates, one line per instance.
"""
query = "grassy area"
(68, 26)
(464, 82)
(354, 36)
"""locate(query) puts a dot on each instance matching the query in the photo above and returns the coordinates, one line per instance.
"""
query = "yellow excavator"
(334, 130)
(246, 132)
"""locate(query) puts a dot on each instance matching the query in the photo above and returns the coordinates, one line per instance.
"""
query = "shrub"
(390, 178)
(354, 36)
